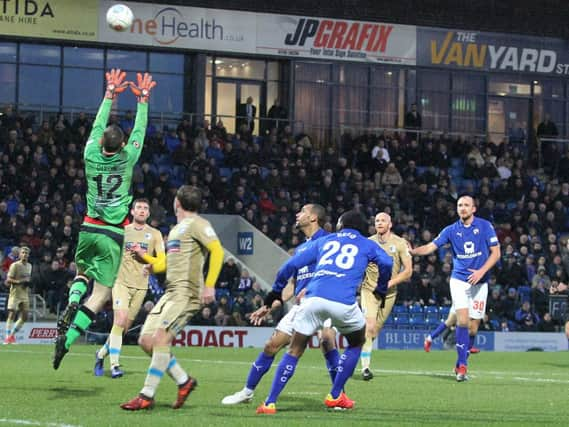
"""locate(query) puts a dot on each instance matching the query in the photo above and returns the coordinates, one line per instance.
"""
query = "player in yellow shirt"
(188, 243)
(18, 279)
(377, 309)
(143, 244)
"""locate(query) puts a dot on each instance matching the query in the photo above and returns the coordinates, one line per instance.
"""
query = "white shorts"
(314, 312)
(285, 325)
(473, 297)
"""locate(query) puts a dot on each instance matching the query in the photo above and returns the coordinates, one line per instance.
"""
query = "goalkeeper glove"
(115, 83)
(143, 86)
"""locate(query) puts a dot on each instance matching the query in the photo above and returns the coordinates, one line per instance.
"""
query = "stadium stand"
(267, 182)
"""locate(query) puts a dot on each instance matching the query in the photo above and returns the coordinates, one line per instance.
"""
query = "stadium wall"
(485, 82)
(400, 339)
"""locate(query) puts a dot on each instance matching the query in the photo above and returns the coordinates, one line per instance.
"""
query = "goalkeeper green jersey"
(109, 178)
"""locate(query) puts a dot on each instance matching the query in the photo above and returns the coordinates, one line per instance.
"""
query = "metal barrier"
(161, 120)
(38, 306)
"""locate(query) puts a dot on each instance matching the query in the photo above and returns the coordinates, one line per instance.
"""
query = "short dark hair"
(320, 213)
(141, 200)
(461, 195)
(354, 220)
(113, 137)
(190, 198)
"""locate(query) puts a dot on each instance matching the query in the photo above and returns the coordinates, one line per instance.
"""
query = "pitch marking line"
(33, 423)
(513, 375)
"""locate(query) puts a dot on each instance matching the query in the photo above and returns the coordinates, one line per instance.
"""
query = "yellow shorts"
(371, 306)
(127, 298)
(19, 298)
(172, 313)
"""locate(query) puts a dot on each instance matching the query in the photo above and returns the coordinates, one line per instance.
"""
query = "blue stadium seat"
(415, 309)
(397, 309)
(524, 293)
(456, 162)
(432, 319)
(402, 320)
(222, 293)
(390, 322)
(225, 172)
(444, 311)
(417, 321)
(431, 309)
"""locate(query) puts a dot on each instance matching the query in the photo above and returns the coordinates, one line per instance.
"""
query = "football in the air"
(119, 17)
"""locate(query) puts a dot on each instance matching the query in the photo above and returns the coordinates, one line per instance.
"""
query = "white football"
(119, 17)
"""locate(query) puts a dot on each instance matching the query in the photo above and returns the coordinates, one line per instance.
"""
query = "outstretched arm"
(427, 249)
(115, 85)
(141, 90)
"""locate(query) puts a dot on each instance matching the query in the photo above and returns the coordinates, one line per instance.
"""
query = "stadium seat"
(444, 311)
(431, 309)
(397, 309)
(402, 320)
(524, 293)
(432, 319)
(225, 172)
(417, 321)
(415, 309)
(390, 322)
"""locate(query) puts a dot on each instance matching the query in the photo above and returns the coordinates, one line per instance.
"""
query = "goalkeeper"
(109, 163)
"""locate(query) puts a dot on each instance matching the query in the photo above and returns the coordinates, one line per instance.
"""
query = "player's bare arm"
(427, 249)
(476, 275)
(403, 275)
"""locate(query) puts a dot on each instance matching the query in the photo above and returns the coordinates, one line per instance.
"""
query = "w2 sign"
(245, 243)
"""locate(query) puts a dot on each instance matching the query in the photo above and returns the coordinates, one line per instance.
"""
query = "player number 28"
(344, 259)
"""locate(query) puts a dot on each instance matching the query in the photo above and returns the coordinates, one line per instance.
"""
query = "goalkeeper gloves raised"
(143, 86)
(115, 83)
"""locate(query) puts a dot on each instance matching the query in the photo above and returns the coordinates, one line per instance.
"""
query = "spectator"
(9, 259)
(204, 318)
(541, 278)
(391, 176)
(526, 318)
(413, 118)
(546, 324)
(278, 115)
(229, 275)
(547, 128)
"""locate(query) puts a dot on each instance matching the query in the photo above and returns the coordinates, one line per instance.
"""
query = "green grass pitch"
(410, 388)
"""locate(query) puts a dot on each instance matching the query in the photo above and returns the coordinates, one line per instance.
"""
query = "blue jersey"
(341, 260)
(305, 273)
(470, 246)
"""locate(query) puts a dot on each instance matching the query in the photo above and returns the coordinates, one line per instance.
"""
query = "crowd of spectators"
(267, 179)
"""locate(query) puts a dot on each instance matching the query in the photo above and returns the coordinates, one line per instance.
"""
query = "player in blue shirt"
(341, 260)
(475, 250)
(309, 220)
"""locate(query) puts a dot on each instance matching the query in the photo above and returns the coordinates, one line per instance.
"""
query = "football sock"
(332, 359)
(18, 325)
(83, 319)
(284, 372)
(176, 372)
(471, 339)
(104, 350)
(438, 330)
(346, 366)
(77, 290)
(258, 369)
(462, 344)
(115, 344)
(9, 325)
(158, 365)
(366, 353)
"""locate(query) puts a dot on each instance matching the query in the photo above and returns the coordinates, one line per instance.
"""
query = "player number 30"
(342, 256)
